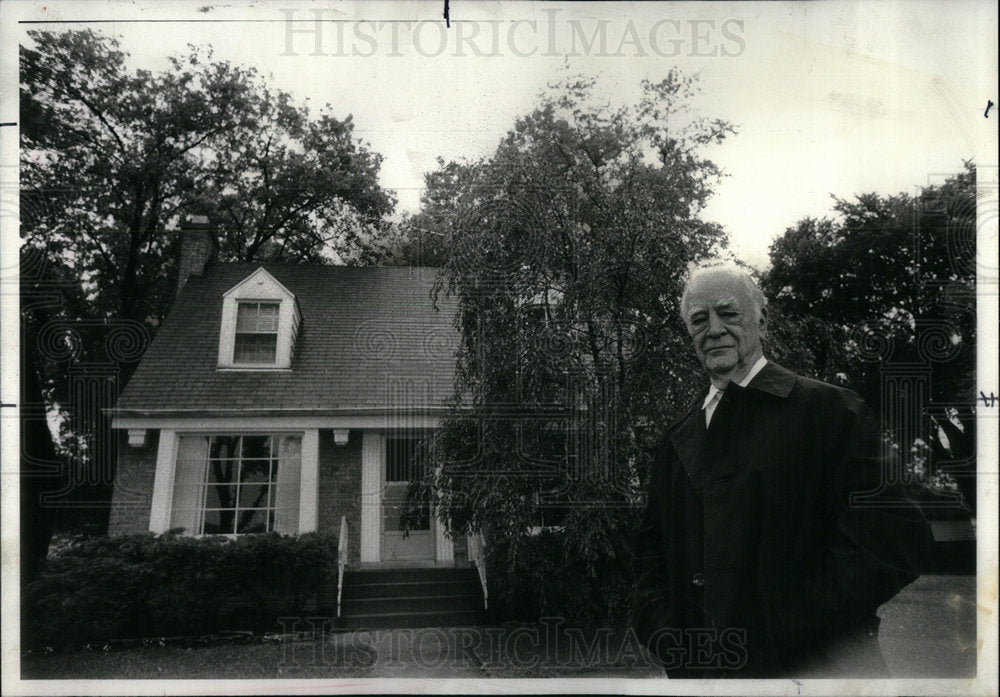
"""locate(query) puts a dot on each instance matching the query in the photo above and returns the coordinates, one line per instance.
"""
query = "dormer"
(260, 321)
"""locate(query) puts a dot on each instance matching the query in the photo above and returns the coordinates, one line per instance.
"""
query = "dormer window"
(256, 333)
(260, 320)
(539, 308)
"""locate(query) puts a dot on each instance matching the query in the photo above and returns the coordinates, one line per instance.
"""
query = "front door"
(407, 525)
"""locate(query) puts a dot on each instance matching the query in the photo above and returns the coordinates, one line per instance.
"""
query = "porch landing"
(406, 564)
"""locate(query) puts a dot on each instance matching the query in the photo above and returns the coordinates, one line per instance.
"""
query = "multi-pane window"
(404, 463)
(237, 484)
(256, 332)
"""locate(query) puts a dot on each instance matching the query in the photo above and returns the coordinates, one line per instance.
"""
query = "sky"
(829, 98)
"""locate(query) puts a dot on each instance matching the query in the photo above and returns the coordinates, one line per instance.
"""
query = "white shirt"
(715, 394)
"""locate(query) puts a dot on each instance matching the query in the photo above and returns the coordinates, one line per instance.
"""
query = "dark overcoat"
(771, 537)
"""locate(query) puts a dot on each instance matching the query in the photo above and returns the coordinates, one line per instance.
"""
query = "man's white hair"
(733, 271)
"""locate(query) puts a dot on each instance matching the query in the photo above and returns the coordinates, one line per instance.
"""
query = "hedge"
(103, 589)
(542, 577)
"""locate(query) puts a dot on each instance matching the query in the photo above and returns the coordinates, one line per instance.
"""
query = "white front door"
(407, 526)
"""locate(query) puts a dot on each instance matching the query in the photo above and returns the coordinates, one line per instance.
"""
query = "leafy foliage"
(111, 159)
(891, 268)
(567, 250)
(101, 588)
(890, 281)
(551, 575)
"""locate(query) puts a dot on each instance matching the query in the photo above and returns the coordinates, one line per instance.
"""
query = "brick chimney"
(199, 248)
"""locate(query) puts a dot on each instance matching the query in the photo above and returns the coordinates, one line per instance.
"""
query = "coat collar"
(774, 380)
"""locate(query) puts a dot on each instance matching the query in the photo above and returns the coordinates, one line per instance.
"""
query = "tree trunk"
(40, 467)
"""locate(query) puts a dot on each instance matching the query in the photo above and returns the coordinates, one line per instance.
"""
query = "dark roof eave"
(352, 411)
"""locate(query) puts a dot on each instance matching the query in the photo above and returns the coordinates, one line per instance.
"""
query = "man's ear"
(762, 322)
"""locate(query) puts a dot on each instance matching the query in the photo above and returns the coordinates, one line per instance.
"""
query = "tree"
(899, 264)
(113, 158)
(38, 463)
(566, 251)
(890, 281)
(301, 185)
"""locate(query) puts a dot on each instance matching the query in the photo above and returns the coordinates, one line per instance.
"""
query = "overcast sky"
(828, 97)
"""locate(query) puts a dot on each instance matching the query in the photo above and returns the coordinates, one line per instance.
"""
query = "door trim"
(373, 453)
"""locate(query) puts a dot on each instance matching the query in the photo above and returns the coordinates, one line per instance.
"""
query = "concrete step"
(399, 589)
(411, 619)
(411, 597)
(409, 575)
(444, 603)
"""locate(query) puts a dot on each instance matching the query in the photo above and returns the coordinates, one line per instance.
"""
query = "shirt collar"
(713, 390)
(761, 362)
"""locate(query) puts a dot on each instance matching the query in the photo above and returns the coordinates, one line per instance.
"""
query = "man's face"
(722, 319)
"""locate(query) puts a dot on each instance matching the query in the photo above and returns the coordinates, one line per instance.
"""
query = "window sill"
(251, 369)
(233, 535)
(537, 530)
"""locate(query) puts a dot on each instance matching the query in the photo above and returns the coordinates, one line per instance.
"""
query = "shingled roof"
(369, 339)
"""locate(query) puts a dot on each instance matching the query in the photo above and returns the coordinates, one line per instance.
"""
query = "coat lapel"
(689, 436)
(688, 439)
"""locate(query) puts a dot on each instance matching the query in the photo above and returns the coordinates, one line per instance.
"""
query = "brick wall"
(340, 488)
(197, 249)
(133, 492)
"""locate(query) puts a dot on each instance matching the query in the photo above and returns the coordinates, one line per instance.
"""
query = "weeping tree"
(567, 251)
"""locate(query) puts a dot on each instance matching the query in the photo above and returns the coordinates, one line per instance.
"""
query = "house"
(287, 398)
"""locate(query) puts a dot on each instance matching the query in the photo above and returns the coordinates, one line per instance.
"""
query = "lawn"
(928, 630)
(510, 651)
(264, 659)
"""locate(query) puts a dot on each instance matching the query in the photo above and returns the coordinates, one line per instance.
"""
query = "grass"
(274, 659)
(928, 630)
(510, 651)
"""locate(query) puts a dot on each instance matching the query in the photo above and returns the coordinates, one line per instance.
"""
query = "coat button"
(698, 580)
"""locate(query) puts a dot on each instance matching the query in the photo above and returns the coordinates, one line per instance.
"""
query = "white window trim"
(166, 468)
(536, 530)
(262, 287)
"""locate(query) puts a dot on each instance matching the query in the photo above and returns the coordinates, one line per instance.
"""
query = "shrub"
(558, 573)
(102, 589)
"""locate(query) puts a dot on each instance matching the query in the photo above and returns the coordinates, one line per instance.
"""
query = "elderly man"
(769, 539)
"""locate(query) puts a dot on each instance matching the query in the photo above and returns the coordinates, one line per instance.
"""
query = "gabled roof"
(365, 333)
(261, 274)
